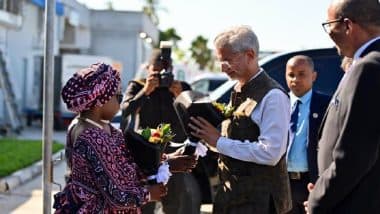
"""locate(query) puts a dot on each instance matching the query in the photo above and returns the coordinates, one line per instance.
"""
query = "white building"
(125, 36)
(112, 34)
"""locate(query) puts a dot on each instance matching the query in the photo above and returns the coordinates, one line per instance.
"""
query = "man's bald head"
(300, 74)
(364, 12)
(300, 59)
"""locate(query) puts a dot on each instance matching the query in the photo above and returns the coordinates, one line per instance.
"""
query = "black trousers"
(183, 197)
(299, 193)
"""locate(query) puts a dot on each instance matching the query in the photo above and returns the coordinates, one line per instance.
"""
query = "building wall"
(116, 34)
(113, 34)
(24, 50)
(76, 22)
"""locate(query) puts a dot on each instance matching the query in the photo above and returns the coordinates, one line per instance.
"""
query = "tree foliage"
(170, 35)
(201, 54)
(150, 9)
(109, 5)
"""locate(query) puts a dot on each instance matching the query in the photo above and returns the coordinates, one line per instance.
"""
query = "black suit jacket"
(318, 105)
(349, 144)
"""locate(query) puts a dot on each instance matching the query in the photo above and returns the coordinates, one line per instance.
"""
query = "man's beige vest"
(246, 182)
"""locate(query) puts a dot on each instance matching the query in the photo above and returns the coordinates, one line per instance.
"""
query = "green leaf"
(166, 129)
(146, 133)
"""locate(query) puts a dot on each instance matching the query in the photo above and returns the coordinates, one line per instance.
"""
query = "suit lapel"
(333, 99)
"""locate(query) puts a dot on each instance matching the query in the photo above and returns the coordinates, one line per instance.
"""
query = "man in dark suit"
(349, 141)
(307, 109)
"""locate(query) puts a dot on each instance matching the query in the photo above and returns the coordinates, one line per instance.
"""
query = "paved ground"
(28, 197)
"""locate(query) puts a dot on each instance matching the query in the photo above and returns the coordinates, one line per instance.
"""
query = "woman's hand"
(157, 191)
(201, 128)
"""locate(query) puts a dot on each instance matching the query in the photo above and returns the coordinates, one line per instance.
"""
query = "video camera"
(166, 76)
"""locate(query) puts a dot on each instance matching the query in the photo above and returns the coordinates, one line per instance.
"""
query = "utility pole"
(48, 100)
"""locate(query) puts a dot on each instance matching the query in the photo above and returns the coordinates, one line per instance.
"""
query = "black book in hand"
(192, 104)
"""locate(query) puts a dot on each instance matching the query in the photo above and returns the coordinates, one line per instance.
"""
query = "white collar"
(304, 99)
(238, 86)
(94, 123)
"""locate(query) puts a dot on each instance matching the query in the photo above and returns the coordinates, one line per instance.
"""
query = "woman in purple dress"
(103, 177)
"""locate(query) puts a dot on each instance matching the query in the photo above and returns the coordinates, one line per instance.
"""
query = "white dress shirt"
(272, 117)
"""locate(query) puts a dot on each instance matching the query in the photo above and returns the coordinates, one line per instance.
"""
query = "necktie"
(294, 116)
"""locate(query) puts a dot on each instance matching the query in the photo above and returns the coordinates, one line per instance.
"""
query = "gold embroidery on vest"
(246, 108)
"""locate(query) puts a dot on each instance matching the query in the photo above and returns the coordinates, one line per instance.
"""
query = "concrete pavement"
(28, 198)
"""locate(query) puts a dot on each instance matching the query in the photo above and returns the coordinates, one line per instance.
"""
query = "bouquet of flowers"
(147, 147)
(161, 135)
(226, 110)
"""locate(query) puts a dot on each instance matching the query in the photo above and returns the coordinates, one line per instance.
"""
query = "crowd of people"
(282, 151)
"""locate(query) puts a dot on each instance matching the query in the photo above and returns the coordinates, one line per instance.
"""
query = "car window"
(222, 93)
(207, 85)
(213, 84)
(201, 86)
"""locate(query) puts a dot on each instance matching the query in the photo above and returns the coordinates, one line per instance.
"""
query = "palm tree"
(200, 52)
(170, 35)
(109, 4)
(150, 9)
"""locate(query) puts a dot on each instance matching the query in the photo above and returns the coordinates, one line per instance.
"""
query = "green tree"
(200, 52)
(109, 5)
(170, 35)
(180, 54)
(150, 9)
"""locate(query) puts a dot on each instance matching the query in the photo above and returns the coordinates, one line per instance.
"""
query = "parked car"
(207, 82)
(327, 65)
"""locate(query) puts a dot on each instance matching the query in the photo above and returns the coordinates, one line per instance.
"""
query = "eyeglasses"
(119, 98)
(227, 63)
(327, 25)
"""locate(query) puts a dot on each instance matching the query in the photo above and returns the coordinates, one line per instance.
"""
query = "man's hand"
(203, 129)
(182, 163)
(310, 187)
(157, 191)
(176, 88)
(152, 82)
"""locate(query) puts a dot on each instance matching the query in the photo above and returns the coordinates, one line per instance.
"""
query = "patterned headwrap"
(90, 87)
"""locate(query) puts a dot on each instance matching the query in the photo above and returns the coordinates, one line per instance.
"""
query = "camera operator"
(150, 102)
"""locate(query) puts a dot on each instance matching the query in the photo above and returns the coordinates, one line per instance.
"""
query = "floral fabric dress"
(103, 179)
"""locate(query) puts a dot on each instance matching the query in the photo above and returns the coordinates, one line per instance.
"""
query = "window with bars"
(11, 6)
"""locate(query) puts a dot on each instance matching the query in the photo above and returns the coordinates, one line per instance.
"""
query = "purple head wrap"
(90, 87)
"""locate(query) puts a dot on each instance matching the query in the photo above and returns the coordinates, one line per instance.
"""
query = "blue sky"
(280, 25)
